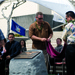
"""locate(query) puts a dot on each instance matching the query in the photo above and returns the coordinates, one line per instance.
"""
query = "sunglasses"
(40, 18)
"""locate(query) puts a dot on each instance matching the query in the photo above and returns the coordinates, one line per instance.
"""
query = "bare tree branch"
(15, 5)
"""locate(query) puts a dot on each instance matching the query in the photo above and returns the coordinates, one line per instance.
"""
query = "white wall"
(26, 9)
(30, 8)
(44, 9)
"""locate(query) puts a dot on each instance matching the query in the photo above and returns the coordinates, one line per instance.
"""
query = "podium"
(28, 63)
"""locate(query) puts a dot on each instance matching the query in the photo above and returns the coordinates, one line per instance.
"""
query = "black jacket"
(13, 49)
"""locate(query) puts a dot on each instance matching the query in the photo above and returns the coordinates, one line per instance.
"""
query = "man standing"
(69, 38)
(39, 32)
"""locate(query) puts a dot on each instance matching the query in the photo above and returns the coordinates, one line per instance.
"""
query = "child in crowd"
(23, 45)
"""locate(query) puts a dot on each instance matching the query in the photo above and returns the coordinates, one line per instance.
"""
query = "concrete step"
(58, 71)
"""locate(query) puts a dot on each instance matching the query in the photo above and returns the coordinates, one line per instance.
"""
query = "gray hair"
(39, 13)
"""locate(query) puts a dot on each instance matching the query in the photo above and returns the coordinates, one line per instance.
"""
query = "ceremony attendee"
(12, 50)
(59, 45)
(40, 31)
(23, 45)
(69, 38)
(2, 50)
(58, 48)
(2, 39)
(2, 59)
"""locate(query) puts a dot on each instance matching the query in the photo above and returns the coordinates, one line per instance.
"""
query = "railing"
(58, 26)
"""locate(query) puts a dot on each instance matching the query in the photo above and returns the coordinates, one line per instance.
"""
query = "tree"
(14, 6)
(1, 1)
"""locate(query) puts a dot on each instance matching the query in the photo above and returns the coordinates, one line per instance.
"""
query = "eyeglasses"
(40, 18)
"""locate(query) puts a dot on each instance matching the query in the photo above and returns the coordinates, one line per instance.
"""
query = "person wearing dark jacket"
(2, 59)
(12, 49)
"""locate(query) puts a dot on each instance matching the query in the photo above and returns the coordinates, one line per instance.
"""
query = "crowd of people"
(40, 32)
(8, 50)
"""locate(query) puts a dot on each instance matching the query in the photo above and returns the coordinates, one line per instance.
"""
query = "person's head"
(59, 41)
(22, 43)
(11, 37)
(70, 16)
(39, 17)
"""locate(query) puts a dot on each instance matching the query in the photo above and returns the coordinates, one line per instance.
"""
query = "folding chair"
(58, 68)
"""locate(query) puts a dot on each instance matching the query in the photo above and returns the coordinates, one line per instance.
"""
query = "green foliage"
(17, 35)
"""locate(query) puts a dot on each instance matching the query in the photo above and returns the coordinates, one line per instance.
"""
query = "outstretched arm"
(3, 43)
